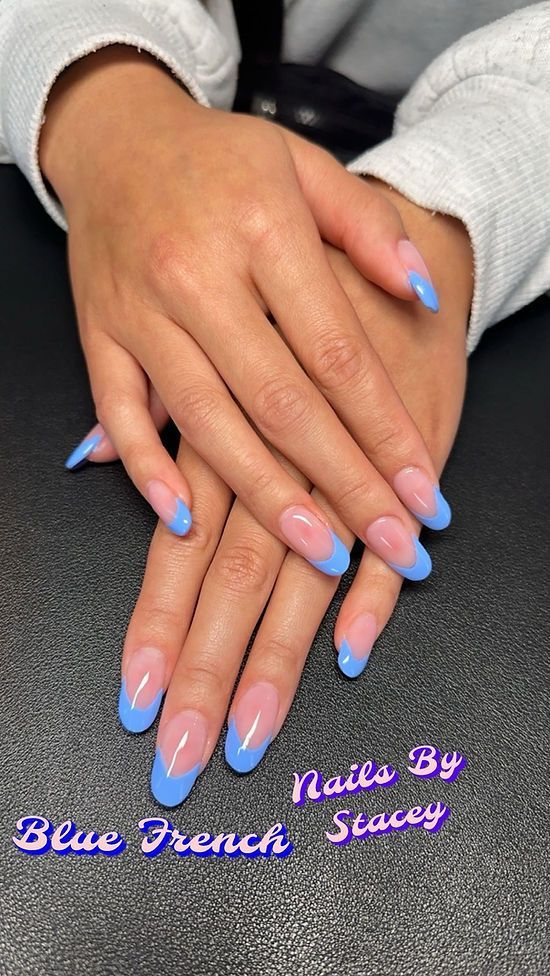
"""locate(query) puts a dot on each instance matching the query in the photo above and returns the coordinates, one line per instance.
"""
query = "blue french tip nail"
(420, 569)
(349, 665)
(338, 562)
(442, 517)
(171, 790)
(137, 719)
(241, 759)
(182, 521)
(82, 452)
(425, 291)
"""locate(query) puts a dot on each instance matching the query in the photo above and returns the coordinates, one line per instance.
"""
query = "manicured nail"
(177, 764)
(356, 645)
(142, 689)
(418, 274)
(171, 509)
(424, 499)
(85, 448)
(398, 547)
(314, 540)
(251, 726)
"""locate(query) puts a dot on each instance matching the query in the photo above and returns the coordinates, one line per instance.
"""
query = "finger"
(210, 420)
(276, 660)
(366, 609)
(121, 395)
(356, 218)
(292, 415)
(169, 592)
(233, 595)
(96, 447)
(324, 331)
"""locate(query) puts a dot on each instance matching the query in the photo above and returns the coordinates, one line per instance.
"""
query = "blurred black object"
(312, 100)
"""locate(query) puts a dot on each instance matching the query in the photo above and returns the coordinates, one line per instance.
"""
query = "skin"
(200, 603)
(202, 597)
(242, 203)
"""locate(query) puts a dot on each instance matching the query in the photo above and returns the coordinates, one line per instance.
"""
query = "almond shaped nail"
(86, 447)
(170, 509)
(356, 645)
(418, 274)
(251, 726)
(180, 748)
(422, 497)
(399, 548)
(313, 540)
(141, 689)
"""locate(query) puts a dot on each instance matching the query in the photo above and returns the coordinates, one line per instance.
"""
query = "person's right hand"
(186, 225)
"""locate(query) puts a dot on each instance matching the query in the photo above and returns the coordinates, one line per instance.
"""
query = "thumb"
(358, 219)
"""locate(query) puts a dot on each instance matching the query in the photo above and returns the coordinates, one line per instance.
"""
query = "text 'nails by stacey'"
(37, 835)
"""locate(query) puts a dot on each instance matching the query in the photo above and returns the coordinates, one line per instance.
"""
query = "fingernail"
(418, 274)
(177, 764)
(424, 499)
(359, 636)
(251, 726)
(399, 548)
(315, 541)
(171, 509)
(142, 689)
(85, 448)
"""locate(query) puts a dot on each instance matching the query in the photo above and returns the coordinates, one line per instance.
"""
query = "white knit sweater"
(471, 137)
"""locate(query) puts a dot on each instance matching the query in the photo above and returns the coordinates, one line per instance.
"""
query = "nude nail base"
(420, 569)
(240, 757)
(442, 517)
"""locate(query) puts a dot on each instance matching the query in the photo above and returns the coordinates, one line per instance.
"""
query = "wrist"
(94, 114)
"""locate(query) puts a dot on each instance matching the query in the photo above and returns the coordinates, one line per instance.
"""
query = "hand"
(195, 649)
(186, 225)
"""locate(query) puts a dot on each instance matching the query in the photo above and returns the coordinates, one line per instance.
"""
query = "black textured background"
(463, 664)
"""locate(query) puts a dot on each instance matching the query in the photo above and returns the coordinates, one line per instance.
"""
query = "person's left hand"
(200, 602)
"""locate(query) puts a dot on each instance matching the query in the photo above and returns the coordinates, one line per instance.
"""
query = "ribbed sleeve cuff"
(482, 154)
(43, 39)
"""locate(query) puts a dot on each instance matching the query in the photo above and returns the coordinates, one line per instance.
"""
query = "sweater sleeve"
(472, 139)
(39, 38)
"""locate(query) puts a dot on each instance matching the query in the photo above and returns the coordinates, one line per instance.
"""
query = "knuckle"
(158, 620)
(259, 483)
(208, 678)
(279, 405)
(391, 437)
(337, 359)
(166, 257)
(242, 568)
(280, 656)
(195, 410)
(358, 495)
(261, 227)
(113, 406)
(172, 268)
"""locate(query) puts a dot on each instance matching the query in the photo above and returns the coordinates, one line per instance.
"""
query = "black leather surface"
(463, 665)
